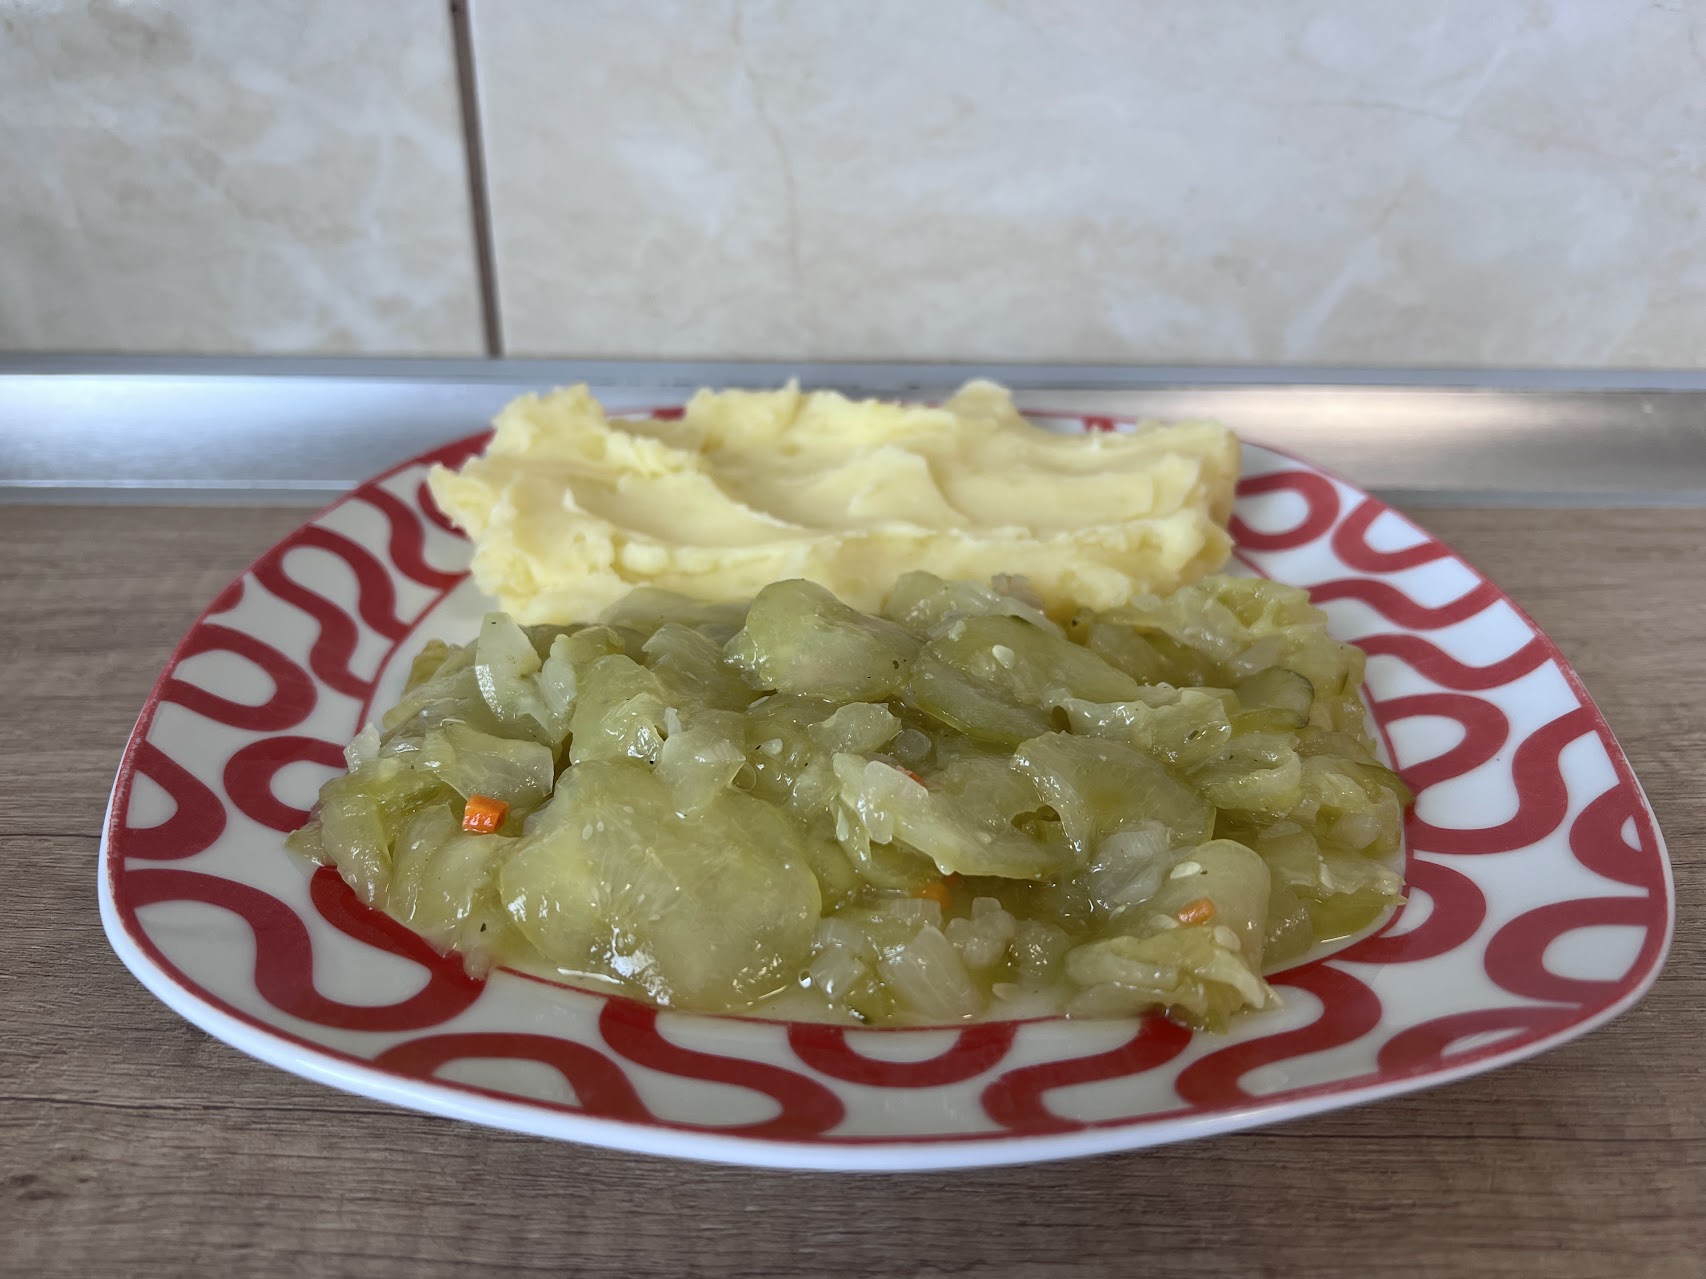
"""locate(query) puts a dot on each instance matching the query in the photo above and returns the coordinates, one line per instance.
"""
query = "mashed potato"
(569, 510)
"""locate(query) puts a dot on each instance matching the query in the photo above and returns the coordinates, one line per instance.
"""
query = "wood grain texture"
(132, 1143)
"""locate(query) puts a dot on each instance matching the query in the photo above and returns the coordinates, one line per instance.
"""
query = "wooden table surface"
(132, 1143)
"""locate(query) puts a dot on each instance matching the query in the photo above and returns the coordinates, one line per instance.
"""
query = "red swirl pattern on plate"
(1596, 854)
(1536, 770)
(340, 631)
(1018, 1100)
(1397, 607)
(1457, 908)
(974, 1050)
(293, 695)
(284, 956)
(249, 774)
(1597, 841)
(1349, 1011)
(805, 1107)
(1429, 1044)
(198, 817)
(601, 1087)
(1516, 956)
(1485, 732)
(1350, 544)
(1446, 671)
(1320, 502)
(407, 547)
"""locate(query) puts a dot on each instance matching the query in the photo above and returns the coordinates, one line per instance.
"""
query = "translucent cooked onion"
(983, 938)
(928, 978)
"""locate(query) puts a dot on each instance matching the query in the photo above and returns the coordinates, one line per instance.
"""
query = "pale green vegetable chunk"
(649, 609)
(1128, 867)
(957, 700)
(1123, 648)
(1099, 787)
(923, 603)
(1234, 878)
(711, 911)
(428, 662)
(700, 760)
(799, 638)
(1194, 946)
(889, 806)
(353, 833)
(440, 690)
(1187, 970)
(779, 743)
(1277, 689)
(620, 712)
(1183, 726)
(521, 773)
(691, 667)
(928, 977)
(858, 726)
(1341, 893)
(444, 885)
(995, 677)
(360, 817)
(506, 669)
(1028, 665)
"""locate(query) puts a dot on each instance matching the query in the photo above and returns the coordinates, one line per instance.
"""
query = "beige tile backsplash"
(199, 175)
(1513, 182)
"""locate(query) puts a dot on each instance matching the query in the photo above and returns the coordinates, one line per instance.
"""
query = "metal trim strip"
(130, 428)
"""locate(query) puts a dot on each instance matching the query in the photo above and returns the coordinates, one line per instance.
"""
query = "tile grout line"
(479, 198)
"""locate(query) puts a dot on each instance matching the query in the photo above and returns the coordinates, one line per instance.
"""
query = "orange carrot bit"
(1198, 912)
(914, 776)
(483, 815)
(939, 891)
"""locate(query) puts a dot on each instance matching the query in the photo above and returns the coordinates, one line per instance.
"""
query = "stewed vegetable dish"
(959, 807)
